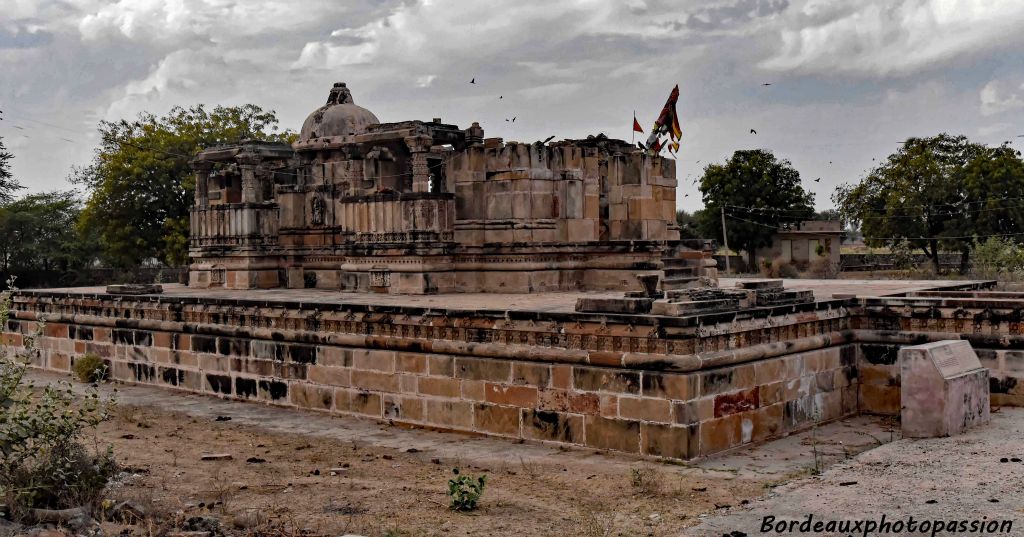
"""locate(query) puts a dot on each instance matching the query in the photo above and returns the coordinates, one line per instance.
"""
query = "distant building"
(800, 243)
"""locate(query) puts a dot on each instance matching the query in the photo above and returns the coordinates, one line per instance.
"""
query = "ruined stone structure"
(675, 384)
(665, 366)
(425, 207)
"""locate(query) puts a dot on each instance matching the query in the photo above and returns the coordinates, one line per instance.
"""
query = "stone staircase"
(679, 273)
(688, 265)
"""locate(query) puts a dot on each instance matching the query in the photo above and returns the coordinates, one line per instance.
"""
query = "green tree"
(7, 182)
(758, 193)
(938, 193)
(37, 233)
(140, 185)
(687, 223)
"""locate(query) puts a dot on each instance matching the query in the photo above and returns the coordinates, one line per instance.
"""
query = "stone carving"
(316, 211)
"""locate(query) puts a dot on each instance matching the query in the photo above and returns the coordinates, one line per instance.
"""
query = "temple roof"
(339, 117)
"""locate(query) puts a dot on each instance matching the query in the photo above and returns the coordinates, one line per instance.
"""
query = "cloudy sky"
(849, 79)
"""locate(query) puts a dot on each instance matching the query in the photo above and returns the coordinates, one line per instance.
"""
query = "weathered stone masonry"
(661, 386)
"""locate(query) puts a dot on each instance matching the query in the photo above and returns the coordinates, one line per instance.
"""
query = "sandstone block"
(645, 409)
(614, 434)
(668, 441)
(552, 426)
(944, 389)
(495, 419)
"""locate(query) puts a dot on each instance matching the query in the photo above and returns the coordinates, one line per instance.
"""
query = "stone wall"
(676, 387)
(594, 386)
(991, 321)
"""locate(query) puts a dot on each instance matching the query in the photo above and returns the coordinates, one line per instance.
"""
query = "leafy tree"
(938, 193)
(687, 223)
(758, 193)
(7, 182)
(140, 185)
(37, 233)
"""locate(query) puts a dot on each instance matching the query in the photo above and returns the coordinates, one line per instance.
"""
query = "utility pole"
(725, 239)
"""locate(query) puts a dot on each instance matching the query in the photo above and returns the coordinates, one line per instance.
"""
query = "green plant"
(998, 257)
(465, 491)
(90, 368)
(644, 480)
(43, 462)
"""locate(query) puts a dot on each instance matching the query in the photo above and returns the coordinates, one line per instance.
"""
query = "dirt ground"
(392, 481)
(977, 476)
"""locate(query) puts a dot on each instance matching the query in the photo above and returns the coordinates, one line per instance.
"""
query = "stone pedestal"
(944, 389)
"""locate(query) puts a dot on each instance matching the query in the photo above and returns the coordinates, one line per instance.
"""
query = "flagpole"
(633, 140)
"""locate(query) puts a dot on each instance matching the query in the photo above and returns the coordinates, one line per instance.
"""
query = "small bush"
(645, 481)
(464, 492)
(823, 267)
(777, 268)
(90, 368)
(1000, 258)
(43, 461)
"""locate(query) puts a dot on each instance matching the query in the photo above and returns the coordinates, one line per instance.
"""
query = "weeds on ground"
(44, 463)
(464, 491)
(90, 368)
(645, 481)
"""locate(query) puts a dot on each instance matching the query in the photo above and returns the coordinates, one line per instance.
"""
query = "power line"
(950, 212)
(942, 238)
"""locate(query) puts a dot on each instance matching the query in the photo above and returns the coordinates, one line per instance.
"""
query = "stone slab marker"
(944, 389)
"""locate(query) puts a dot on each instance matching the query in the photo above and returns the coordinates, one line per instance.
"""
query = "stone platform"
(527, 366)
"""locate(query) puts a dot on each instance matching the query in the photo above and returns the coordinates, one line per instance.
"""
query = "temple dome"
(339, 117)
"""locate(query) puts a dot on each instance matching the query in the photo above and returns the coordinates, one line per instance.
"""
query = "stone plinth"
(945, 389)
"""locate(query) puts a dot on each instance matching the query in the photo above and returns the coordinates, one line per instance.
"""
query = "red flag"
(656, 148)
(636, 125)
(668, 113)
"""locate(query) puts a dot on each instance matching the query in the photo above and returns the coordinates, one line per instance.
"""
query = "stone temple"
(423, 207)
(423, 275)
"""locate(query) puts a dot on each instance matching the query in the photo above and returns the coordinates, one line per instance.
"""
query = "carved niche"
(316, 211)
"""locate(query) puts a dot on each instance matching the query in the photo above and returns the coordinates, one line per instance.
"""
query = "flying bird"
(513, 119)
(548, 139)
(501, 96)
(752, 131)
(19, 128)
(473, 81)
(66, 140)
(767, 84)
(818, 180)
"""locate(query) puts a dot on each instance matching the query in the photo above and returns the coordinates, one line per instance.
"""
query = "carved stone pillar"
(475, 135)
(251, 191)
(419, 146)
(202, 194)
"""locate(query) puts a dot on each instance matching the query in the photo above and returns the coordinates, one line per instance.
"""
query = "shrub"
(902, 254)
(90, 368)
(998, 258)
(645, 481)
(43, 462)
(464, 491)
(823, 267)
(777, 268)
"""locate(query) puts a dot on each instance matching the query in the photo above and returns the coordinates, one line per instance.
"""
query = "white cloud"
(883, 37)
(995, 99)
